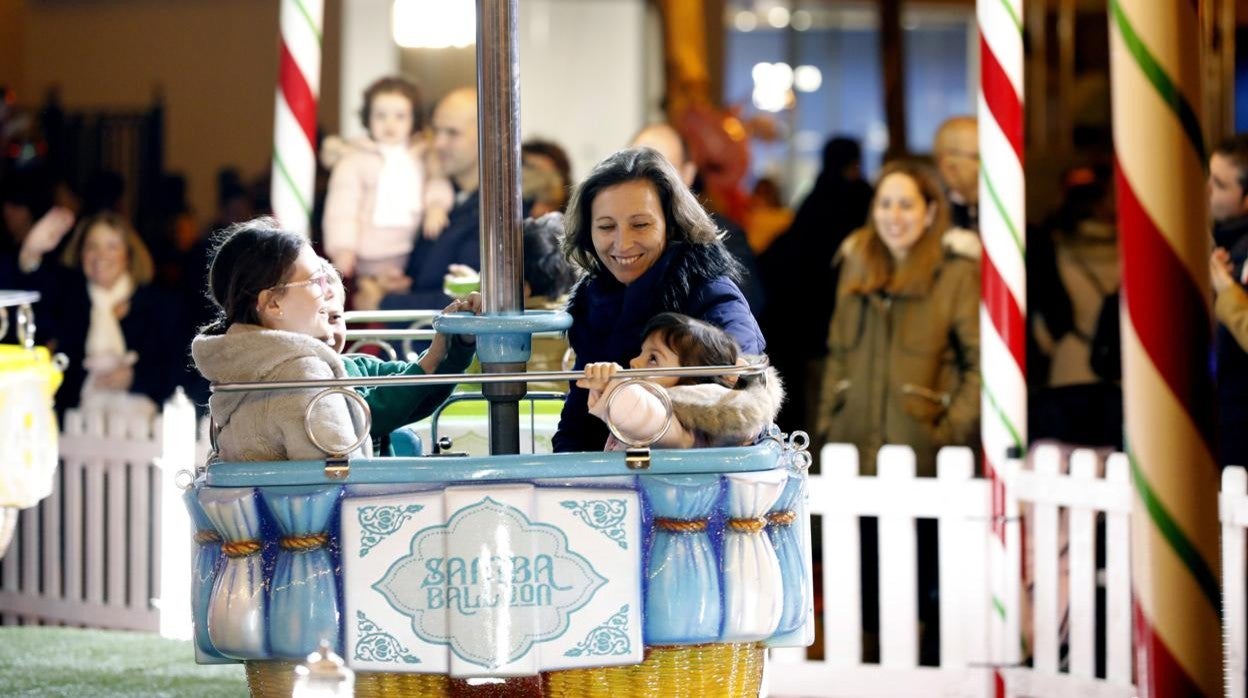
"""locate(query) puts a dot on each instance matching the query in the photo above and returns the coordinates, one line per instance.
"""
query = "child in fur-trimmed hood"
(708, 411)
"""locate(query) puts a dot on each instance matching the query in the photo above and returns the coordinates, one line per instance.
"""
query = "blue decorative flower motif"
(608, 639)
(376, 646)
(605, 515)
(382, 521)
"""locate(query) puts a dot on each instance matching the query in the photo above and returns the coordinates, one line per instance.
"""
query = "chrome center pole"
(502, 263)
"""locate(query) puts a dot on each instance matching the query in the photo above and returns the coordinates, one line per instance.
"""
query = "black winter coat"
(152, 328)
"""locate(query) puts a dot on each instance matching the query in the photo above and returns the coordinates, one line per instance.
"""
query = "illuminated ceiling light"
(434, 23)
(778, 17)
(802, 20)
(745, 21)
(760, 72)
(773, 84)
(783, 74)
(807, 78)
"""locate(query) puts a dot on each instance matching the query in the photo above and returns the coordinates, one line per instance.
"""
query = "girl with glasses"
(273, 295)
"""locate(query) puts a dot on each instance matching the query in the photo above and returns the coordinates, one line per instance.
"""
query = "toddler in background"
(384, 186)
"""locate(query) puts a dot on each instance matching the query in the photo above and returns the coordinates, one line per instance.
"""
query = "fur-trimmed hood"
(248, 353)
(727, 416)
(270, 425)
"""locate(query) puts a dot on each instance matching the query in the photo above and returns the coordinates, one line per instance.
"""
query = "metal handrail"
(421, 334)
(8, 299)
(390, 315)
(749, 369)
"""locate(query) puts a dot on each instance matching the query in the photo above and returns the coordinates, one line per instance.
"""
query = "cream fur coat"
(269, 425)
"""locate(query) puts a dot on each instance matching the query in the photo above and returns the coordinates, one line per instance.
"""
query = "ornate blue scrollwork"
(604, 515)
(608, 639)
(382, 521)
(377, 646)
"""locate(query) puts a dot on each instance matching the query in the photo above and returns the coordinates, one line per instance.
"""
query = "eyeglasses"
(322, 281)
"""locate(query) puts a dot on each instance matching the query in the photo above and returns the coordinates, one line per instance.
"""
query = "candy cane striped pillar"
(294, 130)
(1003, 342)
(1155, 63)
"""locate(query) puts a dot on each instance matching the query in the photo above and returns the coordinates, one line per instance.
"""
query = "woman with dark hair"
(646, 247)
(119, 332)
(903, 346)
(273, 296)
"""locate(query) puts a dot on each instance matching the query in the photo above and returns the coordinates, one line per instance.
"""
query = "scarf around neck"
(104, 337)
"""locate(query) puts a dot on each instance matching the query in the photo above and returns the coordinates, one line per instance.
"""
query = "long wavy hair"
(684, 217)
(868, 266)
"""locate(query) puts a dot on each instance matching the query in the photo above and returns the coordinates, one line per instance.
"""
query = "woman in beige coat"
(903, 346)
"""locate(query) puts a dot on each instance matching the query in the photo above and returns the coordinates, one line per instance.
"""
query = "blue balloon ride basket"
(640, 572)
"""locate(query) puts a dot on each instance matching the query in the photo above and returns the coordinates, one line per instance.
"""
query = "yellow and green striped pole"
(1155, 64)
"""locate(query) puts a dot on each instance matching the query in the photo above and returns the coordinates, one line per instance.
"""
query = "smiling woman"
(647, 247)
(903, 347)
(112, 325)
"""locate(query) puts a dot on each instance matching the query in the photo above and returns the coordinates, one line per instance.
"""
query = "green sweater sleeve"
(393, 407)
(458, 357)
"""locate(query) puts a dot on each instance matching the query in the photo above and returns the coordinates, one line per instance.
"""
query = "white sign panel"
(508, 580)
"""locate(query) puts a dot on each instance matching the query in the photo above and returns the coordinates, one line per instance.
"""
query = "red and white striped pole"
(1168, 395)
(1003, 344)
(294, 130)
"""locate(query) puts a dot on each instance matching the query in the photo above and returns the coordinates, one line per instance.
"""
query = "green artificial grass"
(37, 661)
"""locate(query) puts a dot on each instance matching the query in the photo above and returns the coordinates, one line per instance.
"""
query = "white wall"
(368, 52)
(587, 70)
(583, 75)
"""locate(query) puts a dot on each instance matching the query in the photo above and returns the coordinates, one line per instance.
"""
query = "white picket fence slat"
(1233, 511)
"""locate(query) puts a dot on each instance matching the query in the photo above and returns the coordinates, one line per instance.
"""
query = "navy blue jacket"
(608, 317)
(459, 243)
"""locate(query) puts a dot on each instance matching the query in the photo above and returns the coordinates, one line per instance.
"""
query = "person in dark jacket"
(31, 231)
(120, 333)
(799, 265)
(647, 247)
(1228, 206)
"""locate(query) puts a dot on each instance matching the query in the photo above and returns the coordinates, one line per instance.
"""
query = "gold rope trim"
(312, 541)
(680, 525)
(240, 548)
(783, 517)
(747, 525)
(207, 536)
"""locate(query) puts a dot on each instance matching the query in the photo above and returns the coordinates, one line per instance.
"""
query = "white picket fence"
(98, 551)
(961, 506)
(1064, 497)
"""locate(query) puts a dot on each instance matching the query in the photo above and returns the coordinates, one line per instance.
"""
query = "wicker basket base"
(696, 671)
